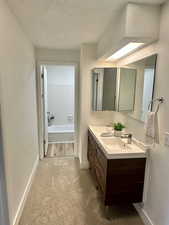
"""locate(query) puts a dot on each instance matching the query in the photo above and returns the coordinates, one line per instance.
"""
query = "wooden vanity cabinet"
(119, 180)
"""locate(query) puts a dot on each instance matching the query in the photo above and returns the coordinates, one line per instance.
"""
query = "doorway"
(58, 110)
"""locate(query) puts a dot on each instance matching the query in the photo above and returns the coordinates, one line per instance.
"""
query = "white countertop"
(115, 147)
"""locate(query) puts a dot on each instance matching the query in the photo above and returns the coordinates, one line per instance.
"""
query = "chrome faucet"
(128, 136)
(50, 117)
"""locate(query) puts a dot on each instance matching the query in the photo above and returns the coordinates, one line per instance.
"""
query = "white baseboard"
(145, 218)
(25, 194)
(84, 165)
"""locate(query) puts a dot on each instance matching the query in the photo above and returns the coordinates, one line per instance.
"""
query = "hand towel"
(151, 126)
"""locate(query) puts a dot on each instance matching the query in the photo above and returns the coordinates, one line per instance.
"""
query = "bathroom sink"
(115, 144)
(115, 147)
(106, 134)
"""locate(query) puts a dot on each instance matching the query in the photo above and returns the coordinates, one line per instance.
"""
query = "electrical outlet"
(166, 139)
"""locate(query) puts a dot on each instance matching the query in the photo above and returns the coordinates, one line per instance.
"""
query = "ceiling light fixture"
(125, 50)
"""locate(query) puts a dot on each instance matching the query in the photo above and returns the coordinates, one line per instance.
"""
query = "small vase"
(117, 133)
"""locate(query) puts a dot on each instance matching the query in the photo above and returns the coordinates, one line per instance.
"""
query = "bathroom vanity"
(117, 167)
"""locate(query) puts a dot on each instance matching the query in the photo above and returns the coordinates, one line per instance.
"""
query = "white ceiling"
(65, 24)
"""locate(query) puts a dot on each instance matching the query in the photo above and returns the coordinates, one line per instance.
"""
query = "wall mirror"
(144, 86)
(128, 89)
(113, 89)
(104, 89)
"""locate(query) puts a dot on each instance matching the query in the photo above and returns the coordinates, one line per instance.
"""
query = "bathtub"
(61, 133)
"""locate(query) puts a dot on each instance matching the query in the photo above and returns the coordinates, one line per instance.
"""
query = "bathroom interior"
(59, 109)
(84, 111)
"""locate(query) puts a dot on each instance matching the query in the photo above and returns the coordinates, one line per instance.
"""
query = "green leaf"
(118, 126)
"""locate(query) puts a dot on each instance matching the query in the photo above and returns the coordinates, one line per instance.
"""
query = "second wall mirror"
(145, 82)
(113, 89)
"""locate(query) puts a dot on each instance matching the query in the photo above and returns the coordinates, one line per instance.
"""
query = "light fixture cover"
(124, 51)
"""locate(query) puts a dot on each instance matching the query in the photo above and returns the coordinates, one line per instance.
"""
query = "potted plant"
(118, 127)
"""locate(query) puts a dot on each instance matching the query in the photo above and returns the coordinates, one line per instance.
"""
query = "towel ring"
(159, 100)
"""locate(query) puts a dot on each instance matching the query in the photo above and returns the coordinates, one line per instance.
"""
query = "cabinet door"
(100, 175)
(125, 180)
(102, 160)
(126, 95)
(91, 154)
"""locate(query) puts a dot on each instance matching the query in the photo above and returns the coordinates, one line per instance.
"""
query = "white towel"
(151, 126)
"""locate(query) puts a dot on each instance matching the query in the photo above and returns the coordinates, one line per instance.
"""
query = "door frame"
(40, 103)
(44, 102)
(4, 210)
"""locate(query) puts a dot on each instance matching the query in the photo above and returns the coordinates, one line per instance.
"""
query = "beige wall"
(59, 56)
(18, 104)
(88, 62)
(87, 58)
(156, 204)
